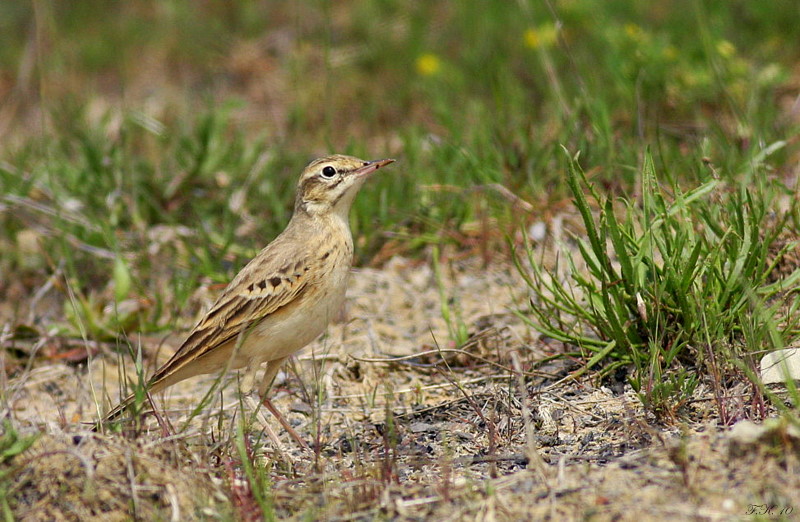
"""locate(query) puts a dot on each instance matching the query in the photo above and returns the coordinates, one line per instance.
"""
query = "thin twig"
(402, 358)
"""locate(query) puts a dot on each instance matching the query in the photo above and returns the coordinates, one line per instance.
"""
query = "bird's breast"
(295, 325)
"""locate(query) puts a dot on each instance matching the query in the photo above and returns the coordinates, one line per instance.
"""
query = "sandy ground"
(401, 425)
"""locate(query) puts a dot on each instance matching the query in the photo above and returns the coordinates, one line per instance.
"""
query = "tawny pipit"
(286, 295)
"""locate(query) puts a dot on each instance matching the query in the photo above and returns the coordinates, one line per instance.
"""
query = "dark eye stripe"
(308, 183)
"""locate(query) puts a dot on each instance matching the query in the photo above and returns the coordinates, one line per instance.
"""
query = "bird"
(286, 295)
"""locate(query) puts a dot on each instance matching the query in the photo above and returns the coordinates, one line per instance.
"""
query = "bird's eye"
(328, 172)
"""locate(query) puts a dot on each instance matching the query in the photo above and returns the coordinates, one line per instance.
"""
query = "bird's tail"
(118, 410)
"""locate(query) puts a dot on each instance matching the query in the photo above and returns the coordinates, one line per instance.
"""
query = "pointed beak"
(371, 166)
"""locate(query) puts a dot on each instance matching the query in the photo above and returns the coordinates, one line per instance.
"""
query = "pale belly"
(287, 331)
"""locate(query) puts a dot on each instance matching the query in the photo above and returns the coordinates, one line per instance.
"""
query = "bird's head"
(331, 183)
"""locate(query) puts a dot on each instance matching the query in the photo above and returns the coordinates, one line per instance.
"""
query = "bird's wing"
(268, 283)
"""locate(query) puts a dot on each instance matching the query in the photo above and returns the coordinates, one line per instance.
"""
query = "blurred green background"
(137, 132)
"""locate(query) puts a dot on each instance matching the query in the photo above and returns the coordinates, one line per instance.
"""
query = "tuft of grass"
(253, 497)
(675, 285)
(449, 306)
(12, 444)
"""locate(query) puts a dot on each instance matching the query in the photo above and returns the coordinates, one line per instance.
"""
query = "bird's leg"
(269, 375)
(288, 427)
(263, 420)
(266, 383)
(246, 385)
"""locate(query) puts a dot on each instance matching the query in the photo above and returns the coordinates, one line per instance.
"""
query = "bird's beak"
(371, 166)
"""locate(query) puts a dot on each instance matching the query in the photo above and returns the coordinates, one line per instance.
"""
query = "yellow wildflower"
(634, 32)
(670, 52)
(544, 35)
(428, 64)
